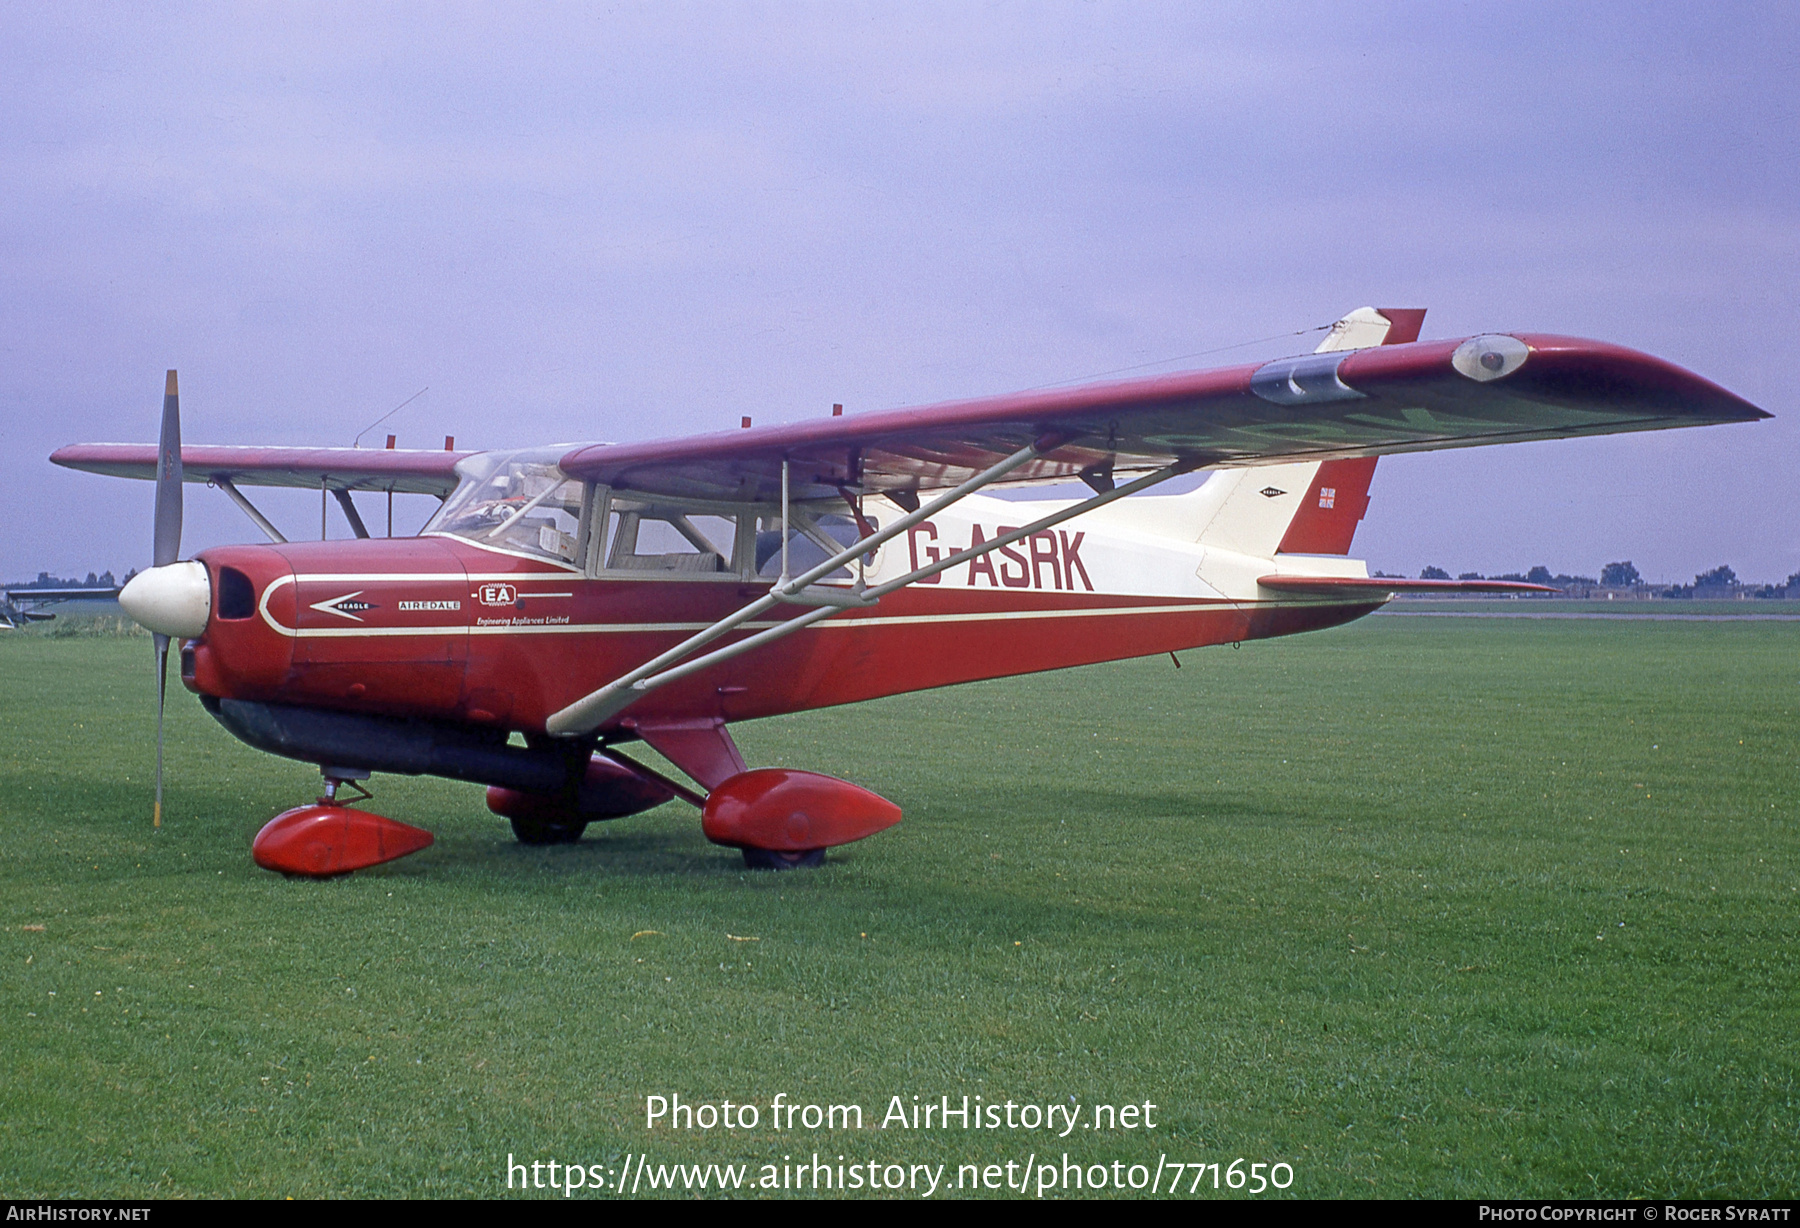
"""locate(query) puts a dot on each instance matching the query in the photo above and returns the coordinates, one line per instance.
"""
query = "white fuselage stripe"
(848, 624)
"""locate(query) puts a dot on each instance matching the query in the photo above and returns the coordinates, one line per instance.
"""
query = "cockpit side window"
(518, 504)
(523, 503)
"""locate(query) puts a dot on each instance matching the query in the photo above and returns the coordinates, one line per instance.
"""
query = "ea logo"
(498, 594)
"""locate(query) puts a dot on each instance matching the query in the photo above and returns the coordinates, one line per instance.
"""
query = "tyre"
(770, 859)
(540, 831)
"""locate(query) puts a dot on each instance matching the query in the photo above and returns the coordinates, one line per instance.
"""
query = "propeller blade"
(168, 482)
(167, 548)
(162, 686)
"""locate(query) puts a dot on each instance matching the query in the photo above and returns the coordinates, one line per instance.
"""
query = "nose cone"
(172, 600)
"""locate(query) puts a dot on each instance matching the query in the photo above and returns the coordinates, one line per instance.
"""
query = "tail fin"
(1334, 504)
(1307, 508)
(1368, 326)
(1254, 507)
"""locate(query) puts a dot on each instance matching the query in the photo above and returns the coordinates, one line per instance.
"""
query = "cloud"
(577, 224)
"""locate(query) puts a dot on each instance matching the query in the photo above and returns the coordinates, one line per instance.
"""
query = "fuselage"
(448, 627)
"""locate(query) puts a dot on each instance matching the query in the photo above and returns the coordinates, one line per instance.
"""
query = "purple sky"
(651, 220)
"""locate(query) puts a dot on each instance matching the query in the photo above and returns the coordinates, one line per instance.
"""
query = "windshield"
(518, 501)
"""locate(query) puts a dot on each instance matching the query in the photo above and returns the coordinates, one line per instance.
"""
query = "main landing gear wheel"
(771, 859)
(540, 832)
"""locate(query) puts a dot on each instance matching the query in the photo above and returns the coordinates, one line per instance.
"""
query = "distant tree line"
(46, 580)
(1537, 575)
(1721, 581)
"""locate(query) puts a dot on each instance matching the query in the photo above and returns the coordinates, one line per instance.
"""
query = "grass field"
(1452, 907)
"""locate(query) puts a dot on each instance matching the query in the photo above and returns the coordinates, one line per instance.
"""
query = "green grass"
(1569, 605)
(79, 626)
(1420, 906)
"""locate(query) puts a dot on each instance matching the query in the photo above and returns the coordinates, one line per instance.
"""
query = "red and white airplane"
(591, 596)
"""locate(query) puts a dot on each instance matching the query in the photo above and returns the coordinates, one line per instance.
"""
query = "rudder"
(1335, 503)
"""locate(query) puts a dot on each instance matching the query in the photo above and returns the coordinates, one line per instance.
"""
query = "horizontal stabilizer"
(1334, 585)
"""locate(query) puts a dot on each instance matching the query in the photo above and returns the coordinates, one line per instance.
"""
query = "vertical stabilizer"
(1256, 507)
(1370, 326)
(1333, 505)
(1337, 496)
(1307, 507)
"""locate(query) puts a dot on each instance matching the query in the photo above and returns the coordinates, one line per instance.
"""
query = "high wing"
(1495, 388)
(404, 471)
(1417, 396)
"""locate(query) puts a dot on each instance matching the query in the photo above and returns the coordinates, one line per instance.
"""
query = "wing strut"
(250, 509)
(586, 714)
(357, 527)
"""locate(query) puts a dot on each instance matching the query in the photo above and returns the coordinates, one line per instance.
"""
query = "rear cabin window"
(669, 542)
(805, 552)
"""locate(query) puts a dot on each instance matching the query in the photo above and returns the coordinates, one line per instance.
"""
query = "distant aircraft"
(21, 605)
(565, 602)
